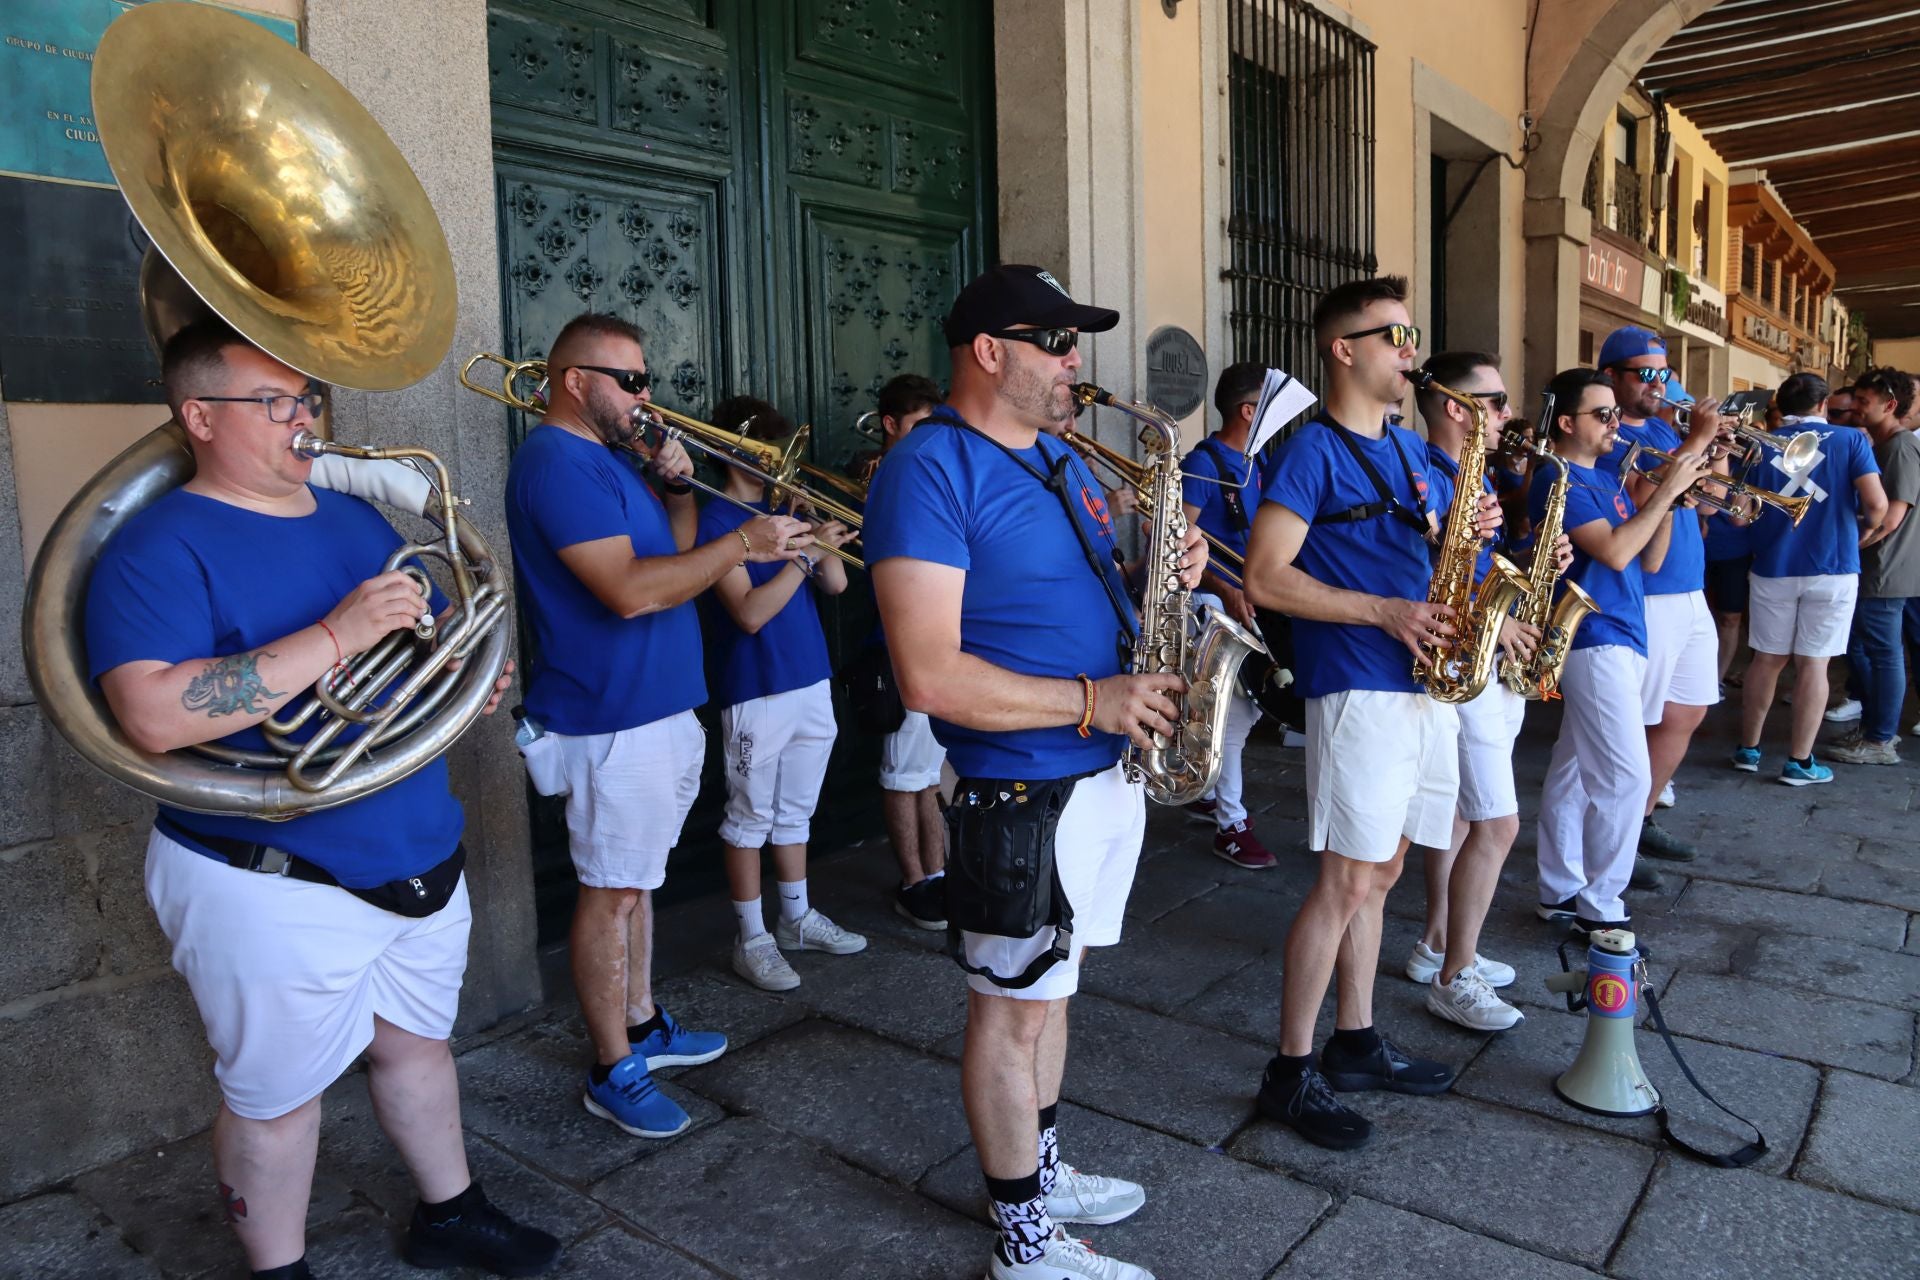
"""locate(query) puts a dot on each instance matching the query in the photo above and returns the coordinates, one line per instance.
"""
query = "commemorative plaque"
(1176, 371)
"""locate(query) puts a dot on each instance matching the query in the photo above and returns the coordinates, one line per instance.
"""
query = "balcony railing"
(1625, 210)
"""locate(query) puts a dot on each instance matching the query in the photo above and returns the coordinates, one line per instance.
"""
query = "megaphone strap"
(1734, 1160)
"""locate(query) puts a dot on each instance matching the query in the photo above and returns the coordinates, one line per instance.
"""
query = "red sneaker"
(1201, 811)
(1238, 845)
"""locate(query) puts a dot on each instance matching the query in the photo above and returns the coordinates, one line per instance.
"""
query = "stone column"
(1556, 231)
(421, 69)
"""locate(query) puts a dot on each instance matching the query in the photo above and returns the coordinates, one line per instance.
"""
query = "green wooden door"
(784, 195)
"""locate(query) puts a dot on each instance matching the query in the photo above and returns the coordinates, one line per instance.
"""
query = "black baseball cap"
(1016, 293)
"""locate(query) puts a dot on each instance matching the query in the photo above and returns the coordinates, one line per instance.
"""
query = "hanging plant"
(1680, 289)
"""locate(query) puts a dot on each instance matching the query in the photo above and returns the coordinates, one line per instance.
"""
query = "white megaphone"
(1606, 1078)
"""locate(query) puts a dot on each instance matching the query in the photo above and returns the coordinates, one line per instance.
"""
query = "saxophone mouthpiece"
(1418, 377)
(1087, 393)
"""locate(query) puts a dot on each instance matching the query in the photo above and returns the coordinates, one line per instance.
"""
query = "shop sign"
(1615, 271)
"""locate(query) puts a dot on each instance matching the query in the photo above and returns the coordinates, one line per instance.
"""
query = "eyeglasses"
(1496, 400)
(1398, 335)
(1055, 342)
(1605, 417)
(280, 409)
(632, 381)
(1645, 375)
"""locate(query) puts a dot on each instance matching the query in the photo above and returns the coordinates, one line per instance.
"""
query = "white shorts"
(1683, 655)
(1808, 617)
(289, 976)
(1488, 726)
(1096, 848)
(1380, 765)
(628, 796)
(776, 751)
(910, 756)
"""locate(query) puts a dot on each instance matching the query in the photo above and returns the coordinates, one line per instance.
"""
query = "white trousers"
(1242, 715)
(1597, 782)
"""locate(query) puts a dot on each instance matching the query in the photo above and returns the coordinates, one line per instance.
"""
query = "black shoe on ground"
(1556, 912)
(296, 1270)
(1303, 1102)
(472, 1233)
(1643, 877)
(1386, 1067)
(924, 904)
(1657, 842)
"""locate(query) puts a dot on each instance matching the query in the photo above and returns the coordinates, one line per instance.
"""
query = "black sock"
(599, 1072)
(657, 1022)
(295, 1270)
(1049, 1117)
(1284, 1067)
(447, 1210)
(1358, 1040)
(1804, 764)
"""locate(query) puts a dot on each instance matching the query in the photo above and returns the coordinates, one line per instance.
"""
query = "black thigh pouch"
(1002, 878)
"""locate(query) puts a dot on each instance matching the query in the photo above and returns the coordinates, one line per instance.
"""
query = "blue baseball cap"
(1628, 342)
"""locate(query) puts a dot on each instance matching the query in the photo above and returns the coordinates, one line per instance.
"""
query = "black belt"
(246, 855)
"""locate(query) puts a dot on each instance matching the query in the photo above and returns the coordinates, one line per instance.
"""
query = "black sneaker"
(478, 1235)
(1387, 1067)
(1644, 876)
(1657, 842)
(1556, 912)
(925, 904)
(296, 1270)
(1305, 1104)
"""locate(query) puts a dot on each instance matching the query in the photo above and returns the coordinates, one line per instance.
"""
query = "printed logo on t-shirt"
(1420, 484)
(1620, 506)
(1096, 505)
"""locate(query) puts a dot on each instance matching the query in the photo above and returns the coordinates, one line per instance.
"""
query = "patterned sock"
(753, 921)
(1020, 1211)
(793, 899)
(1049, 1148)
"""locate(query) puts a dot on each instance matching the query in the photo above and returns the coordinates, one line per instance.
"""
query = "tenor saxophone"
(1459, 672)
(1179, 767)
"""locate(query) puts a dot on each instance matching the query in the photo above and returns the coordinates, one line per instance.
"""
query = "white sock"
(936, 875)
(793, 899)
(753, 921)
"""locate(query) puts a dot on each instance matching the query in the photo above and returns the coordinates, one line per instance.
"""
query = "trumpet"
(1795, 507)
(1138, 477)
(1796, 451)
(775, 465)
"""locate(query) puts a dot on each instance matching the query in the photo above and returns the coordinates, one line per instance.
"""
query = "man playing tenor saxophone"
(991, 550)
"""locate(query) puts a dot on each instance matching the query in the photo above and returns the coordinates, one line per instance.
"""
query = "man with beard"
(991, 549)
(608, 572)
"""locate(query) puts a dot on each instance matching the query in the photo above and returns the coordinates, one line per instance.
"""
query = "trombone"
(1135, 475)
(1795, 507)
(775, 465)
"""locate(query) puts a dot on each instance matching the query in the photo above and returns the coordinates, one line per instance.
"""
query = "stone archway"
(1584, 56)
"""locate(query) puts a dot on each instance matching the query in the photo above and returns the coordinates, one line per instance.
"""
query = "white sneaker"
(1065, 1259)
(759, 961)
(1845, 712)
(1470, 1002)
(1090, 1199)
(1665, 799)
(1424, 965)
(814, 932)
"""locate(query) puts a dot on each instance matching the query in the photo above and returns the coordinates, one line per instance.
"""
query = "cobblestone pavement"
(829, 1141)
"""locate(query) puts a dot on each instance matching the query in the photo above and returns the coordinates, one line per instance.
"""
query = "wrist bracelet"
(745, 541)
(338, 657)
(678, 488)
(1093, 700)
(806, 563)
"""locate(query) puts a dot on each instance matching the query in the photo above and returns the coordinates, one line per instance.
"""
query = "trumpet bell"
(275, 195)
(1800, 453)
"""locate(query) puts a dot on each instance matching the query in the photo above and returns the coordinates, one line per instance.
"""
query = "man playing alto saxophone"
(991, 553)
(1340, 544)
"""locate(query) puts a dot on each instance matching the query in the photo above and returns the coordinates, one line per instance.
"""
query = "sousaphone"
(274, 200)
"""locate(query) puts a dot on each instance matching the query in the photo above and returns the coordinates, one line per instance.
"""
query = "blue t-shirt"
(1210, 471)
(594, 671)
(1727, 538)
(1031, 604)
(1827, 540)
(193, 577)
(789, 652)
(1442, 475)
(1314, 476)
(1685, 568)
(1594, 493)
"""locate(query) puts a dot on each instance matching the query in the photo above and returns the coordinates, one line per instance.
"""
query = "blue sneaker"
(672, 1045)
(1746, 759)
(1795, 774)
(633, 1101)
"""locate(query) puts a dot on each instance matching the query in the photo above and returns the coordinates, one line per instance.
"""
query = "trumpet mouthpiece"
(307, 444)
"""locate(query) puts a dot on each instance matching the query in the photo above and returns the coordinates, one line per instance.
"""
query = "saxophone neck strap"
(1420, 520)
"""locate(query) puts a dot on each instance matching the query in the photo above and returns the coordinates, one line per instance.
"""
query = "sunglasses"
(1495, 400)
(280, 409)
(1055, 342)
(1645, 375)
(1398, 335)
(1605, 417)
(632, 381)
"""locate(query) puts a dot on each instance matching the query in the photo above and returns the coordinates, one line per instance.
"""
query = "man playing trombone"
(609, 568)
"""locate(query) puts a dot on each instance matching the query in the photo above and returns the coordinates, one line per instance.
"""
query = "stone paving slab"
(1831, 1030)
(616, 1253)
(759, 1204)
(1882, 871)
(1255, 919)
(1368, 1240)
(530, 1104)
(1519, 1067)
(1798, 913)
(1171, 882)
(883, 1107)
(1736, 1224)
(1163, 966)
(1839, 968)
(895, 990)
(1206, 1215)
(61, 1237)
(1490, 1170)
(702, 1001)
(1866, 1141)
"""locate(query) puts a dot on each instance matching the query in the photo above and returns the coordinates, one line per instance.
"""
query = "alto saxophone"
(1178, 768)
(1557, 621)
(1459, 672)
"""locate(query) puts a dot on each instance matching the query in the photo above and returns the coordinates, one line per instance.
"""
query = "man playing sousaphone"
(308, 942)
